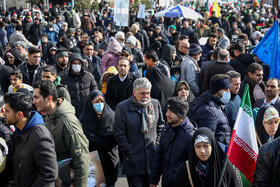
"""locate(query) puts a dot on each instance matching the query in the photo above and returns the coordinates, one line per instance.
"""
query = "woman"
(13, 58)
(267, 123)
(97, 120)
(63, 43)
(182, 90)
(205, 164)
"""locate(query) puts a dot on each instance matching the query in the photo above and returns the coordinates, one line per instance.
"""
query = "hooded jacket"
(70, 141)
(61, 89)
(34, 157)
(209, 112)
(241, 64)
(174, 148)
(167, 53)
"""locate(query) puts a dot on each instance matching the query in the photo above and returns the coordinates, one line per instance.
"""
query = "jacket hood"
(206, 98)
(110, 71)
(167, 52)
(187, 125)
(35, 119)
(246, 58)
(114, 46)
(57, 80)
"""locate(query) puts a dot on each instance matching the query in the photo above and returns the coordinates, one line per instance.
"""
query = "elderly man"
(137, 127)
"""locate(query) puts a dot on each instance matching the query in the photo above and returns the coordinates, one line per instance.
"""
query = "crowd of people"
(151, 98)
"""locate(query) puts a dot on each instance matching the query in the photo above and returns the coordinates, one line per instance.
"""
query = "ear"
(133, 91)
(49, 98)
(250, 74)
(19, 114)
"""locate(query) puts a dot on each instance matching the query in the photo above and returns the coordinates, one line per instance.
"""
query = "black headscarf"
(263, 136)
(162, 86)
(99, 132)
(17, 56)
(64, 44)
(214, 163)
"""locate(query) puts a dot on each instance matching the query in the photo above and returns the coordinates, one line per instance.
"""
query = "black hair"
(33, 50)
(123, 58)
(88, 43)
(51, 69)
(275, 79)
(46, 88)
(19, 102)
(233, 74)
(253, 67)
(151, 54)
(213, 35)
(17, 73)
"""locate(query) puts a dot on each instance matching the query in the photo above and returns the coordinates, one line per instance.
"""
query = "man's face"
(63, 61)
(37, 22)
(186, 25)
(271, 89)
(256, 77)
(172, 30)
(123, 67)
(171, 117)
(65, 27)
(212, 41)
(20, 49)
(142, 95)
(220, 93)
(174, 55)
(149, 62)
(34, 59)
(134, 31)
(16, 82)
(235, 85)
(88, 50)
(39, 101)
(48, 76)
(10, 115)
(84, 38)
(184, 47)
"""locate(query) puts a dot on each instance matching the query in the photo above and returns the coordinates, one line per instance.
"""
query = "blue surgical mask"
(177, 76)
(225, 97)
(98, 107)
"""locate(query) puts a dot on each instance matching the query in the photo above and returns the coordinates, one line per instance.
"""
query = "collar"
(272, 102)
(122, 79)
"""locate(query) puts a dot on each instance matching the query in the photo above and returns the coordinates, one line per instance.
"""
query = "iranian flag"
(243, 148)
(209, 5)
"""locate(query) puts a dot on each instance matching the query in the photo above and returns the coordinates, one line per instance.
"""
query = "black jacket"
(5, 77)
(174, 148)
(112, 97)
(167, 53)
(267, 168)
(241, 63)
(35, 33)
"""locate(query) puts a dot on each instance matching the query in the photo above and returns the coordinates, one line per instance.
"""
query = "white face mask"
(76, 68)
(44, 40)
(50, 29)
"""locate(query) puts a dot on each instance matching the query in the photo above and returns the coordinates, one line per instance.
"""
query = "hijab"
(18, 59)
(263, 137)
(94, 127)
(214, 164)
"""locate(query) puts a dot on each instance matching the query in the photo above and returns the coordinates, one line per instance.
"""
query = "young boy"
(16, 82)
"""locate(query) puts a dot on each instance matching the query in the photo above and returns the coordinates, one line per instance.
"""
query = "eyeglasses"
(185, 47)
(124, 54)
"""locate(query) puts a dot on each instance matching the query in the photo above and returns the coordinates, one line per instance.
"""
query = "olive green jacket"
(70, 141)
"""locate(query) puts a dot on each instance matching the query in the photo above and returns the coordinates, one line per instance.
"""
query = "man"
(138, 57)
(256, 85)
(52, 35)
(242, 60)
(69, 139)
(36, 31)
(175, 142)
(225, 23)
(126, 52)
(49, 73)
(62, 60)
(79, 82)
(182, 52)
(188, 31)
(267, 167)
(233, 105)
(87, 24)
(21, 47)
(190, 69)
(219, 67)
(223, 40)
(202, 30)
(18, 36)
(32, 68)
(137, 127)
(272, 91)
(210, 45)
(119, 87)
(94, 62)
(84, 39)
(208, 108)
(168, 55)
(34, 153)
(46, 45)
(151, 60)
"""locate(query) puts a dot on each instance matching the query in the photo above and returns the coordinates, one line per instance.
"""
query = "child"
(16, 82)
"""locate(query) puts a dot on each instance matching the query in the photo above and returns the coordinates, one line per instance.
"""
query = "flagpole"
(223, 172)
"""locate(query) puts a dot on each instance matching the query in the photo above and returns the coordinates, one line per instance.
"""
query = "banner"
(121, 12)
(141, 12)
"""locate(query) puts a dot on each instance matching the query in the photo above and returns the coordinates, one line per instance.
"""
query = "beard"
(63, 63)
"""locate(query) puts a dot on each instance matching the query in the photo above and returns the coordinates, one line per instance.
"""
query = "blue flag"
(268, 52)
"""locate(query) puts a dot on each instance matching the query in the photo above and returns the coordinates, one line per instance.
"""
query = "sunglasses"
(124, 54)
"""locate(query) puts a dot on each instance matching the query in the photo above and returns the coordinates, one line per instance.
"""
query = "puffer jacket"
(209, 112)
(174, 148)
(267, 168)
(79, 87)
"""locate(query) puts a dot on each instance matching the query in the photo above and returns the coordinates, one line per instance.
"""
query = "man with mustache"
(137, 127)
(272, 92)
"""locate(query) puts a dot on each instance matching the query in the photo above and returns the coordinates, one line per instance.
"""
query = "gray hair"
(142, 83)
(223, 55)
(233, 74)
(65, 23)
(120, 35)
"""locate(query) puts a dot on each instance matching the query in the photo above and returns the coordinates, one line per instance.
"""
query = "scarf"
(148, 115)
